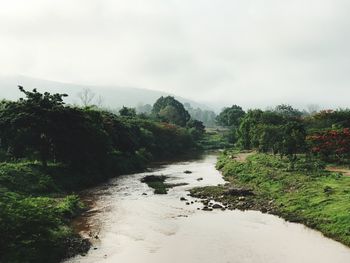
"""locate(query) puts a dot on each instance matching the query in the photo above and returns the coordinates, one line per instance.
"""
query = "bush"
(32, 229)
(25, 178)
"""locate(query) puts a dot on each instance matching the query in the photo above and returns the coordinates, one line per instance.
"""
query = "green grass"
(306, 194)
(26, 178)
(215, 139)
(158, 183)
(35, 216)
(31, 225)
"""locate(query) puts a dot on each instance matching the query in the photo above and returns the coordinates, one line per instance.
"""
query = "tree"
(312, 109)
(270, 138)
(27, 124)
(230, 117)
(273, 131)
(247, 129)
(42, 127)
(144, 109)
(127, 112)
(86, 97)
(288, 111)
(331, 143)
(205, 116)
(293, 142)
(196, 128)
(168, 109)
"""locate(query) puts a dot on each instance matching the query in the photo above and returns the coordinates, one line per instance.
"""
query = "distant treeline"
(207, 117)
(288, 131)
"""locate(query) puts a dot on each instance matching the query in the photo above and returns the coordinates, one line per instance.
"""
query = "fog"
(248, 52)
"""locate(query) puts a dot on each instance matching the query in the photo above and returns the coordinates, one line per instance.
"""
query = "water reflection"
(133, 227)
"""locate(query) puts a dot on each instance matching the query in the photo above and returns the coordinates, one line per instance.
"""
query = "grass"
(158, 183)
(35, 216)
(38, 203)
(307, 193)
(215, 139)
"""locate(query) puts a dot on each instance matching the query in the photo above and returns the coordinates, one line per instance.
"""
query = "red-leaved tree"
(333, 143)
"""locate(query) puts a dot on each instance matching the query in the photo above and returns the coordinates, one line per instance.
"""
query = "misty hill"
(112, 97)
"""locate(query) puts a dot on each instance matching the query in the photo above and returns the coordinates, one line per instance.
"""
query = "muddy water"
(137, 228)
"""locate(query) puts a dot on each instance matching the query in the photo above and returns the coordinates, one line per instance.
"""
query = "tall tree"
(27, 123)
(170, 110)
(288, 111)
(127, 112)
(86, 97)
(230, 117)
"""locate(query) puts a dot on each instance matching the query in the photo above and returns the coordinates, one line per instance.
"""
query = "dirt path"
(242, 157)
(344, 171)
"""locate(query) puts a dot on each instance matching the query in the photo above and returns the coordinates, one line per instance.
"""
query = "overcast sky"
(248, 52)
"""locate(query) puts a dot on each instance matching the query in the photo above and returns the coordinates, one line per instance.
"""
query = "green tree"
(294, 136)
(127, 112)
(288, 111)
(170, 110)
(230, 117)
(196, 128)
(247, 129)
(26, 124)
(206, 116)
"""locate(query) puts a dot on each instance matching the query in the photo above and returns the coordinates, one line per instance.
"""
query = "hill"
(112, 97)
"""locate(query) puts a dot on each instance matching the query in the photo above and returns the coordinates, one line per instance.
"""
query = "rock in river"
(237, 191)
(207, 208)
(217, 206)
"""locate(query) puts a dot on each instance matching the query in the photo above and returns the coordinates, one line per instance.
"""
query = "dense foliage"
(207, 117)
(49, 149)
(170, 110)
(305, 193)
(287, 131)
(333, 144)
(230, 117)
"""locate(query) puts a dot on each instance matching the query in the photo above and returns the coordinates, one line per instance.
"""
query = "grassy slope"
(35, 216)
(306, 194)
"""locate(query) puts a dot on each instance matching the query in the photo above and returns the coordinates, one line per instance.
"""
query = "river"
(137, 228)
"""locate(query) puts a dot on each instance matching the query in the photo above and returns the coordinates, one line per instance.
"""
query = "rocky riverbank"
(316, 198)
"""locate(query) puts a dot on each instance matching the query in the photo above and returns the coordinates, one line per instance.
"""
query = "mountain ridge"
(112, 96)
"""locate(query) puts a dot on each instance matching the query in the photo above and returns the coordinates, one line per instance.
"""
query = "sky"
(254, 53)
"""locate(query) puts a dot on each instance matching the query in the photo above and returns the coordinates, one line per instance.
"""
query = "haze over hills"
(112, 97)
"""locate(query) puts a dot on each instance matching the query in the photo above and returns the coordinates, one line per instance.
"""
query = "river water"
(137, 228)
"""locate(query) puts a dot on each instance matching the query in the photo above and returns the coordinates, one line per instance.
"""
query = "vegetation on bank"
(215, 139)
(303, 192)
(288, 174)
(286, 131)
(157, 182)
(49, 150)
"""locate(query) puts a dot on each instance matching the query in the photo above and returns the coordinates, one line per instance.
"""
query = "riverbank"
(134, 224)
(39, 205)
(306, 194)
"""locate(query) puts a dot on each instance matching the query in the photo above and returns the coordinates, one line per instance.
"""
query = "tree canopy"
(230, 117)
(170, 110)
